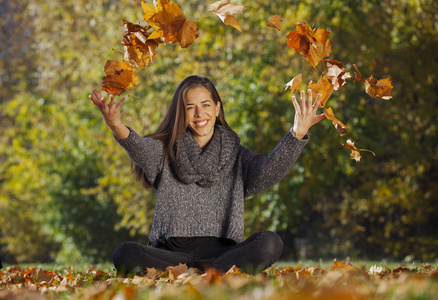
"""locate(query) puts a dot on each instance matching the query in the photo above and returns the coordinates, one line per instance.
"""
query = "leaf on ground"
(313, 46)
(340, 127)
(139, 51)
(170, 23)
(336, 74)
(226, 11)
(275, 22)
(120, 77)
(323, 87)
(355, 152)
(295, 83)
(176, 271)
(381, 88)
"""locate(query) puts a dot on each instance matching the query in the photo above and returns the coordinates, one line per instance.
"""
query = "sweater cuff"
(132, 139)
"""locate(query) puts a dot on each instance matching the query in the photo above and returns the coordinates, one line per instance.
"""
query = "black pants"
(255, 254)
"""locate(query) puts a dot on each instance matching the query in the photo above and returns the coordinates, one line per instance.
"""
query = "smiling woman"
(201, 114)
(202, 175)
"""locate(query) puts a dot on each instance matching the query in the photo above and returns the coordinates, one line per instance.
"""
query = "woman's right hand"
(110, 113)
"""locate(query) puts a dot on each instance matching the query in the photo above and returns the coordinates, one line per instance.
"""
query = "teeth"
(201, 123)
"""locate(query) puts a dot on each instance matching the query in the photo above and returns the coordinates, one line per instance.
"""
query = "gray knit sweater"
(192, 210)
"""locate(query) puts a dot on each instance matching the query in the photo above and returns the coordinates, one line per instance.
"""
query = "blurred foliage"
(66, 192)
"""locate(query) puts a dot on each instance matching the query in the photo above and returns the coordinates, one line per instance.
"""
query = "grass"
(304, 279)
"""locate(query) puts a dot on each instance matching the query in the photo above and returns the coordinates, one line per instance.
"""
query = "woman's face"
(201, 113)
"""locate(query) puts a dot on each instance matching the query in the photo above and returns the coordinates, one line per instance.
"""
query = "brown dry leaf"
(275, 22)
(120, 77)
(340, 127)
(170, 23)
(174, 272)
(313, 46)
(139, 51)
(355, 152)
(358, 76)
(324, 87)
(295, 83)
(337, 265)
(226, 11)
(336, 73)
(381, 88)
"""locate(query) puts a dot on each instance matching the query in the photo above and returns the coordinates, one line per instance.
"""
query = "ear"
(218, 108)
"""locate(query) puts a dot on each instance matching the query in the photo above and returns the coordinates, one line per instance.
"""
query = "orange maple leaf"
(324, 87)
(226, 11)
(381, 88)
(313, 46)
(336, 73)
(170, 23)
(340, 127)
(120, 77)
(355, 152)
(139, 51)
(295, 83)
(275, 22)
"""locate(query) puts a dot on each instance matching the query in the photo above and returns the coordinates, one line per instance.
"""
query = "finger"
(97, 94)
(317, 102)
(104, 104)
(303, 102)
(296, 105)
(319, 118)
(309, 99)
(111, 100)
(120, 102)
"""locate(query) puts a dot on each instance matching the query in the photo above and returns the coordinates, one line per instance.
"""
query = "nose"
(199, 112)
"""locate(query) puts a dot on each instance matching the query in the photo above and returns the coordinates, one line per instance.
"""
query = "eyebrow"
(202, 102)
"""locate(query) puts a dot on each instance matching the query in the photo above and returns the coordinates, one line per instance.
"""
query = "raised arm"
(261, 172)
(111, 113)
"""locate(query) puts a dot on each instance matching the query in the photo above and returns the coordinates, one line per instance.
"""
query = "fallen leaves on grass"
(341, 281)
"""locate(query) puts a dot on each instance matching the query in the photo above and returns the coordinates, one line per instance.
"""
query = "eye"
(206, 105)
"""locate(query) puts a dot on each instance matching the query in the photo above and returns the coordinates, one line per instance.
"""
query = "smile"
(200, 124)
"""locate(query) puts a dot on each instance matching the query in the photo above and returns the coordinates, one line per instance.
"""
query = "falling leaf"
(139, 51)
(313, 46)
(378, 88)
(336, 74)
(275, 22)
(324, 87)
(355, 152)
(226, 11)
(374, 63)
(295, 83)
(340, 127)
(120, 77)
(170, 23)
(358, 76)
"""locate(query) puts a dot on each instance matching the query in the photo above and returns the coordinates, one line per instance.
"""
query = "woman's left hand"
(305, 114)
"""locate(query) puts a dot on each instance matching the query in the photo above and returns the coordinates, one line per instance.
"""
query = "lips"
(201, 124)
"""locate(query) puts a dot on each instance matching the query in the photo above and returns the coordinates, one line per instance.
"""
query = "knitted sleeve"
(146, 152)
(261, 173)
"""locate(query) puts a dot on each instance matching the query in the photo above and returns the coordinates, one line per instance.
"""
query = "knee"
(273, 245)
(122, 253)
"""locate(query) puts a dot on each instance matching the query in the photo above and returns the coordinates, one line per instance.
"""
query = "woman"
(202, 175)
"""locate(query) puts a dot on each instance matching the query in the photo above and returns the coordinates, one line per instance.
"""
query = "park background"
(66, 191)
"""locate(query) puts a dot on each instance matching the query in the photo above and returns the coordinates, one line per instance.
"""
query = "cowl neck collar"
(209, 165)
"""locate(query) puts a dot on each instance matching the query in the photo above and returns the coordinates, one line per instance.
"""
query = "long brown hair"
(175, 122)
